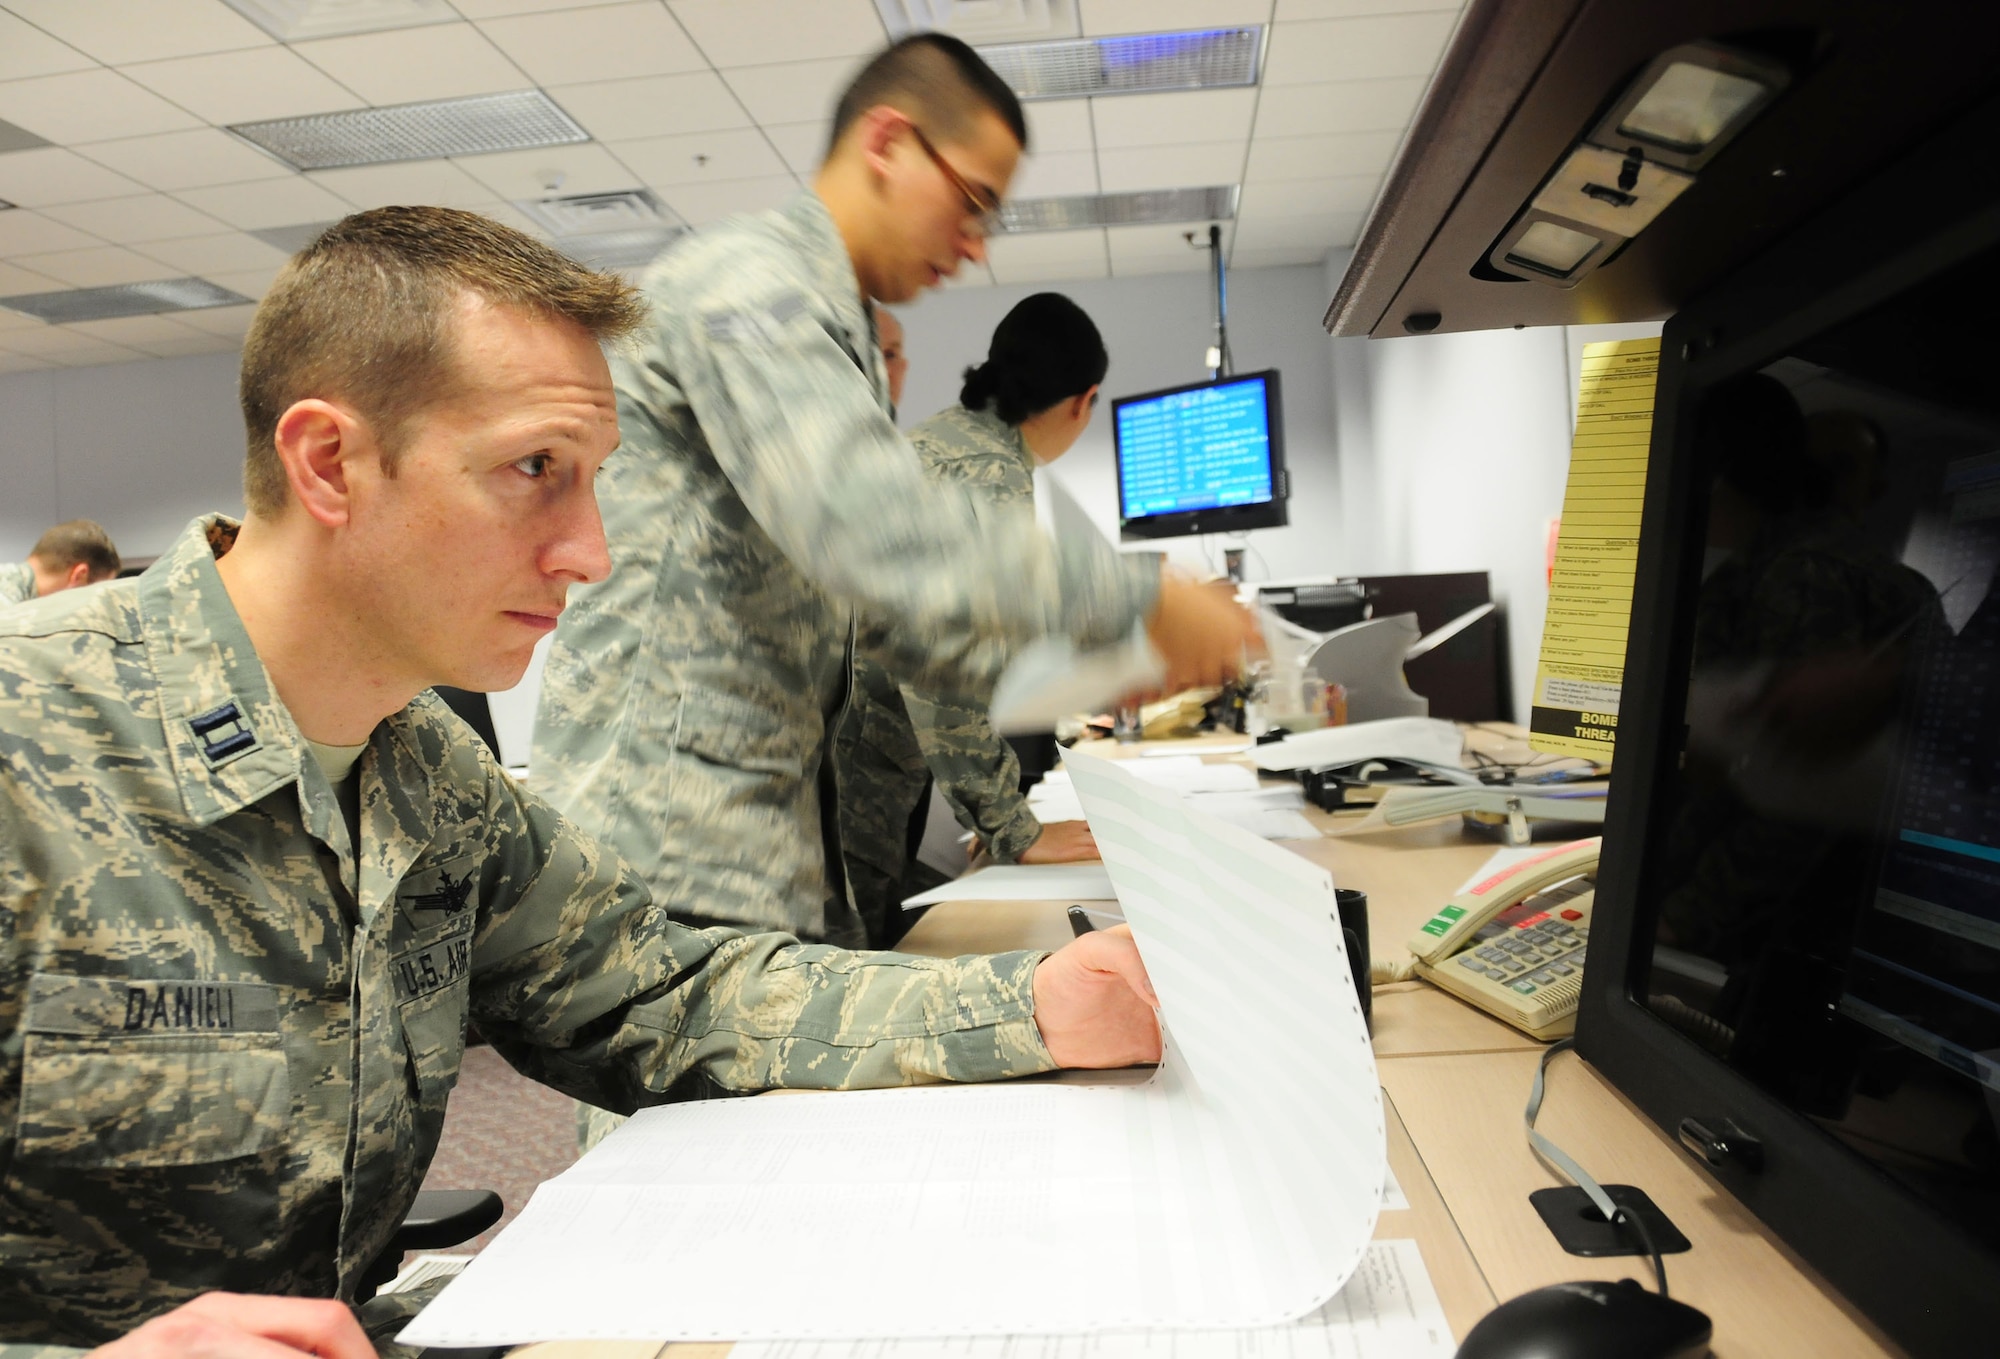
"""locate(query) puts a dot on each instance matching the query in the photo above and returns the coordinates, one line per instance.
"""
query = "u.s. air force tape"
(109, 1007)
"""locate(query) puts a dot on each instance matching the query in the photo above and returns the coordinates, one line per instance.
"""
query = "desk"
(1454, 1083)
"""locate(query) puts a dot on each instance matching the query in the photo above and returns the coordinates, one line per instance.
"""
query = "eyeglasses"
(981, 204)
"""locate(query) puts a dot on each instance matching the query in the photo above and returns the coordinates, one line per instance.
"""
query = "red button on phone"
(1572, 915)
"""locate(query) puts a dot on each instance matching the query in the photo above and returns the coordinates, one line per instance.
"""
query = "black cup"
(1353, 908)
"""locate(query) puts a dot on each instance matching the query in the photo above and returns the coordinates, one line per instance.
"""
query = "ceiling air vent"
(126, 299)
(622, 230)
(977, 21)
(424, 131)
(1135, 63)
(1217, 204)
(293, 20)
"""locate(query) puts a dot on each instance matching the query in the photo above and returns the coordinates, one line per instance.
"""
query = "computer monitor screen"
(1804, 878)
(1205, 458)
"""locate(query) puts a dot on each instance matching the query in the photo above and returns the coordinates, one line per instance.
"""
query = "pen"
(1079, 921)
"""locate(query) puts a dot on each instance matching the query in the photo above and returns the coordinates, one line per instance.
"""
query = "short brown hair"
(937, 80)
(364, 315)
(80, 540)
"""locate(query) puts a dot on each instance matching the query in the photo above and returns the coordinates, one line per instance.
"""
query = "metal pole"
(1222, 357)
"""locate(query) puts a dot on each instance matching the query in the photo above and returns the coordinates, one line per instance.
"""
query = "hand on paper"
(1202, 632)
(1094, 1003)
(236, 1326)
(1061, 842)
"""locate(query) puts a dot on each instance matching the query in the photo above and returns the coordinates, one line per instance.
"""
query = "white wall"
(140, 447)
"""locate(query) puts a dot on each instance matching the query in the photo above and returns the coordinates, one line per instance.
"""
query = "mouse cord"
(1560, 1161)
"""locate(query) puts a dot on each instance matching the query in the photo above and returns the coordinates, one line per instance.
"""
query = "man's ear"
(318, 444)
(1082, 404)
(78, 574)
(878, 129)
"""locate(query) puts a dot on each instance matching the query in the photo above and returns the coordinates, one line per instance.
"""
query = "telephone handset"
(1513, 943)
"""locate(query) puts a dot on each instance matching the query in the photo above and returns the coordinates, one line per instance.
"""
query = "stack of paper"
(1229, 792)
(1239, 1188)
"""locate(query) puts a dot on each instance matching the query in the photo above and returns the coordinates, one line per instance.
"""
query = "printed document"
(1238, 1188)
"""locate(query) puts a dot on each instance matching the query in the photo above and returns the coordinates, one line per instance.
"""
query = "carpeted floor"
(501, 1132)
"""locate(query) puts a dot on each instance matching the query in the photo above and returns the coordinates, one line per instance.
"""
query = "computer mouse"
(1591, 1320)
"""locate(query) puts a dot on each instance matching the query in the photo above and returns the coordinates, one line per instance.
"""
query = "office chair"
(437, 1219)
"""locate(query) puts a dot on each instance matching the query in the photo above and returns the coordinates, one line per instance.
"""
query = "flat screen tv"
(1205, 458)
(1796, 967)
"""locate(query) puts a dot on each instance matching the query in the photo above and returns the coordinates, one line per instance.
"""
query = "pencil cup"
(1353, 908)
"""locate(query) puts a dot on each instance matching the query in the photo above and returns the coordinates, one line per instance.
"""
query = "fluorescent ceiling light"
(619, 249)
(978, 21)
(1136, 63)
(1217, 204)
(126, 299)
(292, 20)
(423, 131)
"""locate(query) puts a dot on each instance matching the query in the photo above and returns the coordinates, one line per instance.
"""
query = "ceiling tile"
(758, 32)
(1171, 167)
(132, 329)
(21, 363)
(147, 217)
(1357, 49)
(186, 160)
(1305, 197)
(1344, 106)
(116, 32)
(1161, 249)
(16, 320)
(1055, 174)
(1152, 16)
(88, 106)
(1173, 119)
(497, 9)
(801, 145)
(1025, 259)
(15, 280)
(252, 283)
(225, 252)
(1059, 125)
(30, 233)
(740, 153)
(267, 203)
(1324, 230)
(49, 175)
(652, 106)
(231, 322)
(1289, 10)
(700, 204)
(1276, 257)
(246, 87)
(797, 92)
(436, 182)
(442, 61)
(1351, 153)
(64, 347)
(190, 342)
(27, 51)
(97, 267)
(600, 43)
(583, 168)
(506, 214)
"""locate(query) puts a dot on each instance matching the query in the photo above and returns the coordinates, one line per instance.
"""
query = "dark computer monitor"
(1205, 458)
(1796, 965)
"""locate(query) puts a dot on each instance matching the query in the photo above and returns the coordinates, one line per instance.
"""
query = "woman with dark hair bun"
(1025, 406)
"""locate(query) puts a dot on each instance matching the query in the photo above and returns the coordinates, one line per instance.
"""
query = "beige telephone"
(1513, 943)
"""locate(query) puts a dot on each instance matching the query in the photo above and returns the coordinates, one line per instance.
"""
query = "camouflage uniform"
(226, 1045)
(763, 502)
(17, 584)
(896, 738)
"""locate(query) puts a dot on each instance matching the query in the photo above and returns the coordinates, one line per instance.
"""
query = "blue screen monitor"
(1205, 458)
